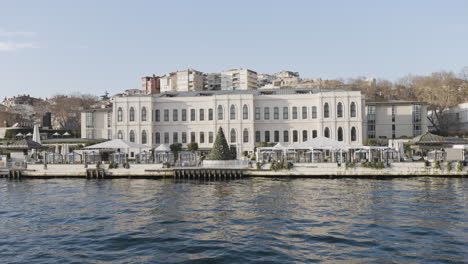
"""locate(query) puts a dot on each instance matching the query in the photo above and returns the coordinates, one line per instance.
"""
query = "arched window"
(232, 112)
(119, 114)
(353, 134)
(144, 138)
(326, 132)
(339, 110)
(143, 114)
(120, 135)
(132, 136)
(340, 134)
(132, 114)
(220, 112)
(245, 112)
(326, 110)
(352, 109)
(233, 136)
(246, 135)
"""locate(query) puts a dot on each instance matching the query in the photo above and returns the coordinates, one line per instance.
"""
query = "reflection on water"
(254, 220)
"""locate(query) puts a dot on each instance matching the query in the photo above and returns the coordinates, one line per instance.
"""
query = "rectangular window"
(184, 114)
(393, 113)
(193, 136)
(276, 113)
(304, 135)
(267, 136)
(166, 137)
(210, 137)
(89, 120)
(285, 113)
(295, 136)
(166, 115)
(109, 119)
(175, 115)
(175, 137)
(158, 138)
(184, 137)
(210, 114)
(158, 115)
(266, 113)
(286, 136)
(257, 113)
(314, 133)
(294, 112)
(257, 136)
(202, 137)
(276, 136)
(192, 114)
(202, 114)
(304, 112)
(314, 112)
(109, 134)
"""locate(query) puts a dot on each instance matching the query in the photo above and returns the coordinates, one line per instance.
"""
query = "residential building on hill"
(182, 81)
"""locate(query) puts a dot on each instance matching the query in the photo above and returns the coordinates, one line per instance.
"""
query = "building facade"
(235, 79)
(248, 117)
(96, 123)
(396, 119)
(150, 84)
(183, 81)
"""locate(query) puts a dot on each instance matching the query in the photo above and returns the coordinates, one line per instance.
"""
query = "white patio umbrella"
(66, 134)
(19, 134)
(36, 135)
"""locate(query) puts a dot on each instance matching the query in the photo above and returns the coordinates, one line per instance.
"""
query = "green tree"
(220, 150)
(192, 146)
(176, 147)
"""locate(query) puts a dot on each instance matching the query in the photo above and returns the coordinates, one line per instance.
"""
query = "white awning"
(320, 143)
(163, 148)
(117, 144)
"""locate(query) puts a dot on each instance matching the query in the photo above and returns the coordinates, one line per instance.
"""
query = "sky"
(50, 47)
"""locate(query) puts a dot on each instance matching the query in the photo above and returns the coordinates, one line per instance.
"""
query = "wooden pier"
(208, 174)
(12, 173)
(95, 174)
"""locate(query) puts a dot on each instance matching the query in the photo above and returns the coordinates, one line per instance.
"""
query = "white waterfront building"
(246, 116)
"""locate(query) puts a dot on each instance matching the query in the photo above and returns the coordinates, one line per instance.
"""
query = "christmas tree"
(220, 150)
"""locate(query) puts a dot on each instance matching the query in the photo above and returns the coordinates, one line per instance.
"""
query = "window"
(210, 137)
(175, 137)
(295, 136)
(294, 112)
(109, 134)
(340, 134)
(286, 136)
(119, 115)
(257, 113)
(304, 135)
(144, 137)
(352, 109)
(90, 134)
(89, 120)
(233, 136)
(393, 131)
(266, 113)
(353, 134)
(184, 114)
(326, 132)
(258, 136)
(393, 112)
(193, 137)
(276, 113)
(175, 115)
(304, 112)
(166, 137)
(132, 114)
(267, 136)
(285, 113)
(202, 137)
(339, 110)
(220, 112)
(314, 133)
(326, 110)
(143, 114)
(192, 114)
(232, 113)
(202, 114)
(109, 119)
(276, 136)
(210, 114)
(120, 135)
(184, 137)
(158, 118)
(314, 112)
(245, 112)
(158, 138)
(246, 136)
(166, 115)
(132, 136)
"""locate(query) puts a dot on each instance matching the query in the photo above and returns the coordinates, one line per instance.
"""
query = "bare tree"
(66, 109)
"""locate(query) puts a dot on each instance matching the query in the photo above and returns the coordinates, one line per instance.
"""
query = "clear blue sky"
(90, 46)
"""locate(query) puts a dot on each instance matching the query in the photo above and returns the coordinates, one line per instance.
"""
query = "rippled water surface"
(420, 220)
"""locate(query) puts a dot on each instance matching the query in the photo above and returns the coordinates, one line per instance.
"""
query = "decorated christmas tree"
(220, 150)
